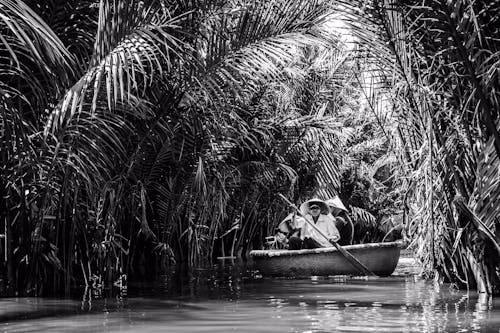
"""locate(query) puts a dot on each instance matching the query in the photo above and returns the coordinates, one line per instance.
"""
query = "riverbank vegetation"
(136, 135)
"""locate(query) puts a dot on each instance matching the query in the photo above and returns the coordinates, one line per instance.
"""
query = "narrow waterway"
(234, 298)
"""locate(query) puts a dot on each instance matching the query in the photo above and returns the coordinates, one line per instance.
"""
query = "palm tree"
(442, 55)
(131, 128)
(130, 137)
(35, 64)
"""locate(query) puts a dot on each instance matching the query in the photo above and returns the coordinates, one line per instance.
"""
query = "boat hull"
(380, 258)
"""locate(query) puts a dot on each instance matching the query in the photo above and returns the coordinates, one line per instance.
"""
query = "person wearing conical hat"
(342, 220)
(287, 228)
(315, 211)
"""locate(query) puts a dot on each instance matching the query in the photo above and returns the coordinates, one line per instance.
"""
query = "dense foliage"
(444, 86)
(136, 134)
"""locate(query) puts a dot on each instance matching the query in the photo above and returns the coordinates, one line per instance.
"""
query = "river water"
(234, 298)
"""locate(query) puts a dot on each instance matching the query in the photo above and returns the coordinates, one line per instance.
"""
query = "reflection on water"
(233, 298)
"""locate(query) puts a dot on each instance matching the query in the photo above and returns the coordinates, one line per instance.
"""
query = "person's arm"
(301, 226)
(333, 232)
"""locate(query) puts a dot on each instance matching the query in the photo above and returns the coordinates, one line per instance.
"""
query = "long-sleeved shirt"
(325, 223)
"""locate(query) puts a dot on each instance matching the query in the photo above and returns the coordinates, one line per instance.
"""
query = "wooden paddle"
(355, 262)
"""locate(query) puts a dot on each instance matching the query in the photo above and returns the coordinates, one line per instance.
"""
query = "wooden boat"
(380, 258)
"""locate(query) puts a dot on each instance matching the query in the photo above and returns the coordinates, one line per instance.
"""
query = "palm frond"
(31, 34)
(362, 217)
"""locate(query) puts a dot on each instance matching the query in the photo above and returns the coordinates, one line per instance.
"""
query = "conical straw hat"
(336, 203)
(304, 208)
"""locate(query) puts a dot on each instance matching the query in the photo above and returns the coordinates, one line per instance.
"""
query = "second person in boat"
(342, 221)
(316, 212)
